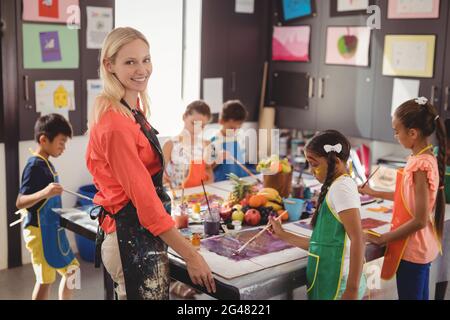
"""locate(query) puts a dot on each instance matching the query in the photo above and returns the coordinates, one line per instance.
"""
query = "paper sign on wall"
(99, 24)
(55, 96)
(245, 6)
(94, 88)
(51, 11)
(404, 90)
(49, 46)
(213, 93)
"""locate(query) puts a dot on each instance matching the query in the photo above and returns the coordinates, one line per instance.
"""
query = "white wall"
(72, 172)
(192, 50)
(3, 216)
(162, 23)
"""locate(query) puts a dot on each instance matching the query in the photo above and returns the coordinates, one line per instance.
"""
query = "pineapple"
(241, 189)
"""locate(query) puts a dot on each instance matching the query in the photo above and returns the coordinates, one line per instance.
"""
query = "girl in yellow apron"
(419, 201)
(336, 247)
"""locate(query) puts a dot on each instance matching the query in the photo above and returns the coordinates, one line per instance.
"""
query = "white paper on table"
(213, 93)
(404, 90)
(99, 24)
(94, 88)
(409, 55)
(55, 96)
(352, 5)
(245, 6)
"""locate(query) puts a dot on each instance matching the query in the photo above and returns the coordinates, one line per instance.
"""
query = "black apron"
(144, 257)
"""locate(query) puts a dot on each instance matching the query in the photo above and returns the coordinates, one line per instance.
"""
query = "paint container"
(181, 217)
(212, 222)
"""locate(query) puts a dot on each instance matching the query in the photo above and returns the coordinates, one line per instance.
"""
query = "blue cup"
(294, 207)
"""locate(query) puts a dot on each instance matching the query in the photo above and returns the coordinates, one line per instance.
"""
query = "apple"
(237, 215)
(252, 217)
(225, 212)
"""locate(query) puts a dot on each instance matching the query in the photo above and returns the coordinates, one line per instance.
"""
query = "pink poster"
(348, 46)
(51, 10)
(413, 9)
(291, 43)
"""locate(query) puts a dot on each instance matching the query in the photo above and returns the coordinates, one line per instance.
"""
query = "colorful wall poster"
(291, 43)
(348, 46)
(37, 57)
(293, 9)
(94, 89)
(413, 9)
(55, 96)
(49, 10)
(352, 5)
(404, 90)
(50, 48)
(99, 24)
(409, 55)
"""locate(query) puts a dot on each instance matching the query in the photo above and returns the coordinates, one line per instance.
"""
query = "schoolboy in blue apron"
(232, 117)
(39, 194)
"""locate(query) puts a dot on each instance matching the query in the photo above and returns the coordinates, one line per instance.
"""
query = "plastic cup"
(294, 207)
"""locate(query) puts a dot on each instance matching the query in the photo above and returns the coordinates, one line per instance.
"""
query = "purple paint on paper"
(226, 245)
(50, 48)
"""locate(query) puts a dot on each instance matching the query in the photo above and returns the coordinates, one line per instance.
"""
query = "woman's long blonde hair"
(113, 90)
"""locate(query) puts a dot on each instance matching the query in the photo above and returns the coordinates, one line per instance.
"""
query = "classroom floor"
(18, 283)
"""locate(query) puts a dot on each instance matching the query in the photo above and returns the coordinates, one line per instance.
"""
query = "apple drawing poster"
(291, 43)
(348, 46)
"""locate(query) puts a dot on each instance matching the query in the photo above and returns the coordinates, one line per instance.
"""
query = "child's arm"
(376, 194)
(167, 152)
(29, 200)
(295, 240)
(420, 218)
(352, 224)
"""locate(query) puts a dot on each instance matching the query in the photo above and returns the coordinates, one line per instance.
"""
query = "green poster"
(50, 46)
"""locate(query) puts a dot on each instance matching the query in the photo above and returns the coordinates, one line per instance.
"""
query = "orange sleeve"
(122, 156)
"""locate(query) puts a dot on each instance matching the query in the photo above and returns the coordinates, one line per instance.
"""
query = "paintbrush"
(243, 167)
(78, 195)
(370, 177)
(207, 201)
(238, 251)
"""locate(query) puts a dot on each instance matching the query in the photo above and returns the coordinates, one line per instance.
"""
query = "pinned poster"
(404, 90)
(51, 10)
(94, 89)
(213, 93)
(99, 24)
(48, 46)
(245, 6)
(55, 96)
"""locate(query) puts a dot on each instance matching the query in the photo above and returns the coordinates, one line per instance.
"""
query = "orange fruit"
(285, 217)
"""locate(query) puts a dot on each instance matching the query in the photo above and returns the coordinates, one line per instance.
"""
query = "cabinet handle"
(433, 94)
(447, 92)
(321, 88)
(311, 87)
(26, 88)
(233, 81)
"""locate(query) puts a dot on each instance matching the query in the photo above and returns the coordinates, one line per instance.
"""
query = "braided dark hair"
(425, 118)
(316, 146)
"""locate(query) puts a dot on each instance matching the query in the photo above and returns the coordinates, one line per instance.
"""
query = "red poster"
(48, 8)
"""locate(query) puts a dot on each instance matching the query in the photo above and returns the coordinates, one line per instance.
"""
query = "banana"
(275, 206)
(271, 195)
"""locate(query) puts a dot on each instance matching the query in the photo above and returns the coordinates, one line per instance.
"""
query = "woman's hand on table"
(200, 273)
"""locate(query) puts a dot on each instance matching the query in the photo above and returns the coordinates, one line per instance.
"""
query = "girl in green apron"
(336, 247)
